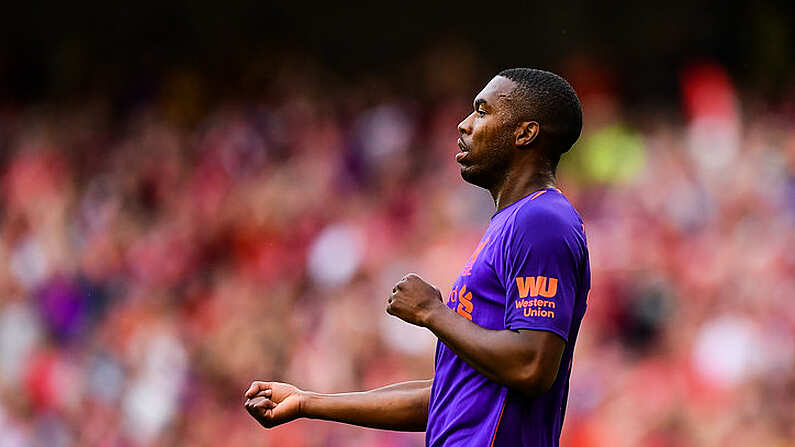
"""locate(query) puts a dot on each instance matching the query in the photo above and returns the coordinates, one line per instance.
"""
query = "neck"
(521, 180)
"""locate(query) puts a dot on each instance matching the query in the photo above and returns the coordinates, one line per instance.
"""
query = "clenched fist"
(274, 403)
(413, 300)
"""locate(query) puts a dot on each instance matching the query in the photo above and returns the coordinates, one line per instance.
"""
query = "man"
(507, 330)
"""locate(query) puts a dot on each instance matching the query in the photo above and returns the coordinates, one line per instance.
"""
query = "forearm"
(402, 406)
(506, 357)
(527, 361)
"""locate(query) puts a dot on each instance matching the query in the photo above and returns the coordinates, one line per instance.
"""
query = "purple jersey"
(529, 271)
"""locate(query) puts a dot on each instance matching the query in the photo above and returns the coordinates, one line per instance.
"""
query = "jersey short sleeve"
(540, 271)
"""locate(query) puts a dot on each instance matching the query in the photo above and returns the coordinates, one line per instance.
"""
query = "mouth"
(463, 150)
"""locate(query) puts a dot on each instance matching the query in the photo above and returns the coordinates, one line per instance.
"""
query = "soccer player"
(507, 330)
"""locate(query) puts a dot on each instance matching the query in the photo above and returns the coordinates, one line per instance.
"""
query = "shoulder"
(550, 216)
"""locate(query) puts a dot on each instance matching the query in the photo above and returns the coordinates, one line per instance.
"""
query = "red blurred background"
(208, 201)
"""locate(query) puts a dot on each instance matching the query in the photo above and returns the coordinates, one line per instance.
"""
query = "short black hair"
(551, 101)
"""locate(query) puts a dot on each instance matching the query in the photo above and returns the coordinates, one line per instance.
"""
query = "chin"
(475, 176)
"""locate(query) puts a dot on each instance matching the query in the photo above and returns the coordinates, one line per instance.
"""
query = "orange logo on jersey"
(465, 303)
(468, 267)
(536, 285)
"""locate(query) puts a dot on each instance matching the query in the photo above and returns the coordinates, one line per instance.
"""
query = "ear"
(526, 132)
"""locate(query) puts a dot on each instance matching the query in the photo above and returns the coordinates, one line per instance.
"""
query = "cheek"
(484, 131)
(490, 134)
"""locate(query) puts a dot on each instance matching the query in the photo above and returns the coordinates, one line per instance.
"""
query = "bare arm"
(526, 361)
(402, 406)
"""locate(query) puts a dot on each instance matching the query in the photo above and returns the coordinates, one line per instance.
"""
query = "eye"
(480, 111)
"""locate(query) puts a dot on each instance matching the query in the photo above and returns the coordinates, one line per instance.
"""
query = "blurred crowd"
(152, 267)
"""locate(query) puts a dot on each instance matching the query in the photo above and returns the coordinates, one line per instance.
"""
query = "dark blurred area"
(132, 52)
(194, 196)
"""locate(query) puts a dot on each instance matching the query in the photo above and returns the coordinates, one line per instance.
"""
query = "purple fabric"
(530, 271)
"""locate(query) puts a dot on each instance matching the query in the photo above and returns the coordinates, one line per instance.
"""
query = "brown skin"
(502, 152)
(503, 155)
(402, 406)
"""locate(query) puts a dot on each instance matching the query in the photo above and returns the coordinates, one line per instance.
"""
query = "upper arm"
(542, 369)
(540, 273)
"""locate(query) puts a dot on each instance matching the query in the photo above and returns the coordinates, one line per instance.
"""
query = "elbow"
(532, 381)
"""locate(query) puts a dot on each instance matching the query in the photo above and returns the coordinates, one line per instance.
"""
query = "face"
(487, 139)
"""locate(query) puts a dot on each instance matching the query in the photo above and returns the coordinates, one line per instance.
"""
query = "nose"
(465, 126)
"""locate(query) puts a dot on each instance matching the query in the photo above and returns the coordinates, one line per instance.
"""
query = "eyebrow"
(479, 102)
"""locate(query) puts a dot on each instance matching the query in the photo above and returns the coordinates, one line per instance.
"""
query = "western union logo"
(536, 285)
